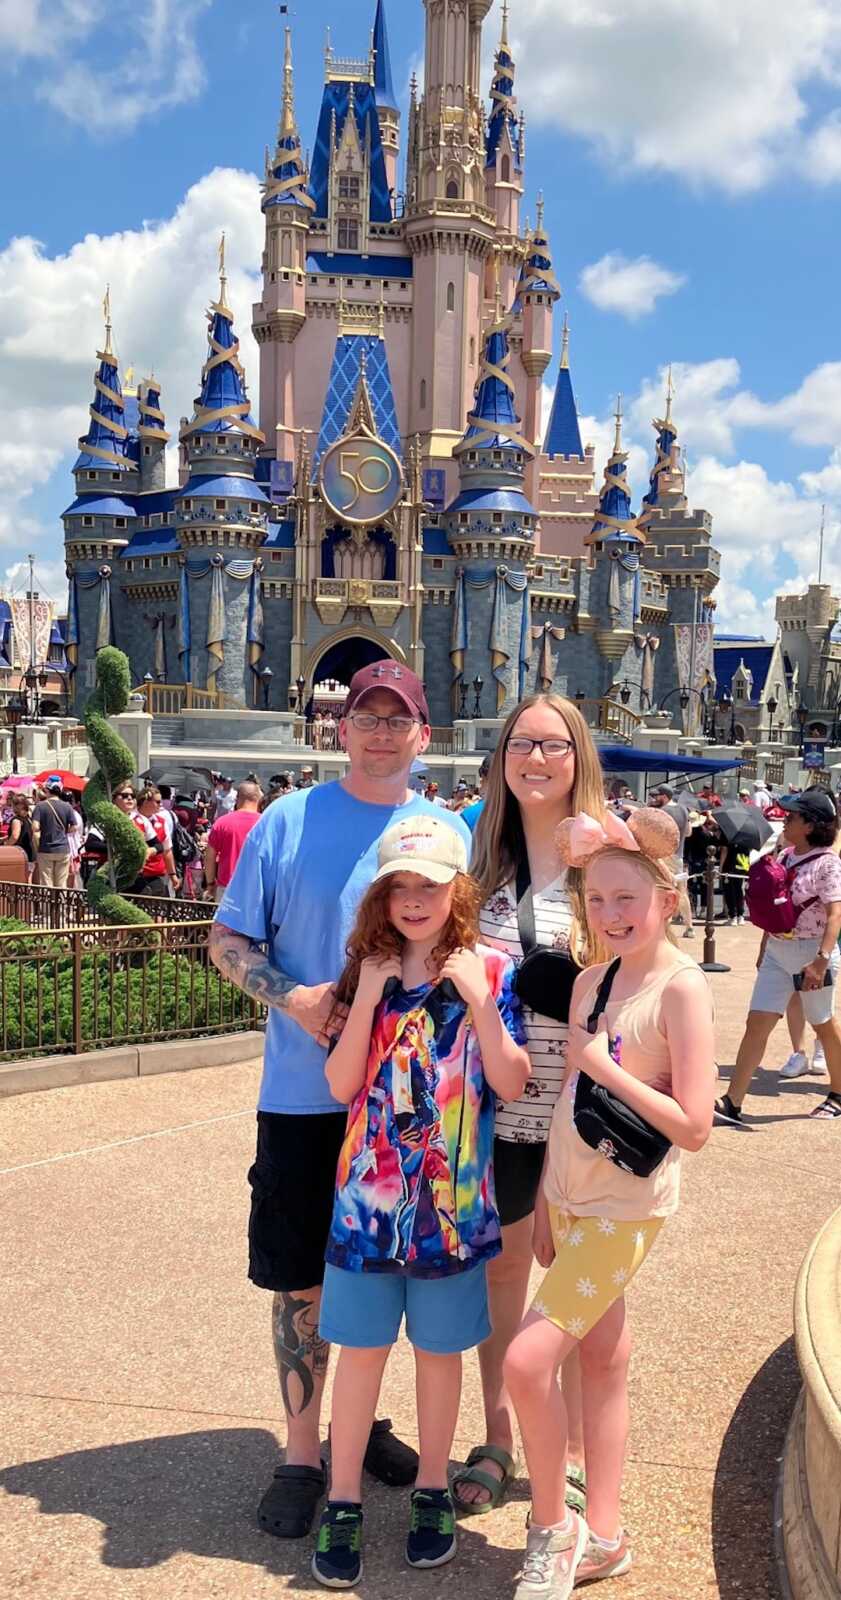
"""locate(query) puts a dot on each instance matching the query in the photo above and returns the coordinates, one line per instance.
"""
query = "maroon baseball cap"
(388, 675)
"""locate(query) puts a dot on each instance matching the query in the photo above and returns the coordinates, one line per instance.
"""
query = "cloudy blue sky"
(691, 163)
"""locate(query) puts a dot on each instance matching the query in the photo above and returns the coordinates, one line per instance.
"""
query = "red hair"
(375, 935)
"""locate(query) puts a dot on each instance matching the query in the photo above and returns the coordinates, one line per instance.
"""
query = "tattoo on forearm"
(300, 1352)
(246, 965)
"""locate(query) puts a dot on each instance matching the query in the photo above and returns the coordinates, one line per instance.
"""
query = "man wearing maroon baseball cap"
(404, 684)
(281, 935)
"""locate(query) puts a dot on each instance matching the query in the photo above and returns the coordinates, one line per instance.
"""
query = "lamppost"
(684, 697)
(772, 703)
(802, 715)
(15, 713)
(463, 690)
(266, 678)
(300, 685)
(580, 695)
(478, 686)
(36, 679)
(625, 693)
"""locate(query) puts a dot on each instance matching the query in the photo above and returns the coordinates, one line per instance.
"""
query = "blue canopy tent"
(623, 758)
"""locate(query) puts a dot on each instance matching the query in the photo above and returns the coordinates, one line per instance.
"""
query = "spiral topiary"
(126, 845)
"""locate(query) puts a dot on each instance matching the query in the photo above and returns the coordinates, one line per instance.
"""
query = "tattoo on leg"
(300, 1351)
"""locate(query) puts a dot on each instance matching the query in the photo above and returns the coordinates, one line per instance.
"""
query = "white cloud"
(51, 328)
(630, 287)
(152, 64)
(717, 92)
(822, 156)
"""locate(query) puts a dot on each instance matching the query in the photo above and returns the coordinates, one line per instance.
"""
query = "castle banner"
(695, 666)
(42, 614)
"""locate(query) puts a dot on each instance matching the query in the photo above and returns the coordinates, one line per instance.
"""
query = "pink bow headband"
(648, 831)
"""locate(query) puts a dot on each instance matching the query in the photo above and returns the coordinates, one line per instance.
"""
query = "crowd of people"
(483, 1047)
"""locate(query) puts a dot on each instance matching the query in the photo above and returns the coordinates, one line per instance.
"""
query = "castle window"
(115, 477)
(92, 475)
(464, 518)
(348, 188)
(437, 564)
(147, 563)
(220, 505)
(164, 561)
(254, 508)
(129, 566)
(505, 169)
(497, 516)
(147, 449)
(119, 522)
(538, 572)
(188, 505)
(423, 394)
(451, 297)
(452, 189)
(348, 234)
(87, 522)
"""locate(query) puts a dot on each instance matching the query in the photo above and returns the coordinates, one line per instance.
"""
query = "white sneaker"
(818, 1059)
(796, 1066)
(732, 922)
(552, 1561)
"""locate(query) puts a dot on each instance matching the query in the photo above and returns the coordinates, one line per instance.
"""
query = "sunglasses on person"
(125, 794)
(367, 722)
(552, 749)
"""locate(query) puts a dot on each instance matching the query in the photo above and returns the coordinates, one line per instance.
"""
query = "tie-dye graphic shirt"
(414, 1186)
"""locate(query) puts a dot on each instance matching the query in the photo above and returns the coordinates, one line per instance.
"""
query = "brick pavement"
(140, 1402)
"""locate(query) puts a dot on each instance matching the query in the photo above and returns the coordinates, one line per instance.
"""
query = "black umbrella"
(182, 779)
(743, 827)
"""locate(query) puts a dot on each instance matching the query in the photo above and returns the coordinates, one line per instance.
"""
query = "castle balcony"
(452, 208)
(607, 717)
(384, 598)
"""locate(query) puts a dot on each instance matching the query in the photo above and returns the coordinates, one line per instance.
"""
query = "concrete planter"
(811, 1484)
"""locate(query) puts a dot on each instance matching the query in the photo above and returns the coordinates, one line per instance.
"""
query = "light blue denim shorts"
(364, 1310)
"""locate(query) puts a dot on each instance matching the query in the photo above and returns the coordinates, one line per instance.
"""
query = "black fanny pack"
(545, 977)
(605, 1122)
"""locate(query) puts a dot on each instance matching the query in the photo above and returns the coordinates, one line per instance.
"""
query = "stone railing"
(811, 1477)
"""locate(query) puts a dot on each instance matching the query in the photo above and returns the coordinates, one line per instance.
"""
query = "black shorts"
(517, 1169)
(293, 1181)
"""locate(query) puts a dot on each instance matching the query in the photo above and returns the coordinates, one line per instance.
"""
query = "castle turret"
(615, 590)
(152, 435)
(667, 484)
(491, 527)
(539, 293)
(389, 115)
(504, 155)
(221, 512)
(449, 230)
(281, 313)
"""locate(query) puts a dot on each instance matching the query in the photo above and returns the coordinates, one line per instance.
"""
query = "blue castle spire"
(563, 435)
(383, 81)
(538, 274)
(152, 422)
(493, 423)
(502, 101)
(614, 519)
(286, 176)
(104, 444)
(222, 406)
(666, 432)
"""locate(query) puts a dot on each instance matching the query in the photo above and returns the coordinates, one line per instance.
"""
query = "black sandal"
(288, 1506)
(828, 1110)
(388, 1459)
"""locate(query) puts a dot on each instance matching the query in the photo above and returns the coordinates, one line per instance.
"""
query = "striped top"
(527, 1120)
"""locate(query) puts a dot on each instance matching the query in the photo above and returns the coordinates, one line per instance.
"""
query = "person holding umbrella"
(743, 829)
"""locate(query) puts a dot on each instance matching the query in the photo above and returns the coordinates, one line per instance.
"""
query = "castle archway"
(346, 652)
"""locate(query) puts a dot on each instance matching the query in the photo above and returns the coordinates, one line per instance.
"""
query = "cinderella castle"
(397, 491)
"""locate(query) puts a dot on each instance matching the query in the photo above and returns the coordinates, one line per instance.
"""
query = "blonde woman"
(545, 768)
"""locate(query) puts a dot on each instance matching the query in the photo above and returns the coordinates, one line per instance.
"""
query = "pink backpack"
(768, 896)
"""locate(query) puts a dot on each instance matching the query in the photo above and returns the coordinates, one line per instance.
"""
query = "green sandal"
(472, 1473)
(576, 1495)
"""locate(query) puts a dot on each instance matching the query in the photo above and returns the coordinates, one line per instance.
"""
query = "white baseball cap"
(423, 845)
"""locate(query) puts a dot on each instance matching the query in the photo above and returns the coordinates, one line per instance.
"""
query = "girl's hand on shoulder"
(374, 974)
(466, 970)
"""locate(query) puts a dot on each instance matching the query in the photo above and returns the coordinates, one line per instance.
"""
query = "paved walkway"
(140, 1402)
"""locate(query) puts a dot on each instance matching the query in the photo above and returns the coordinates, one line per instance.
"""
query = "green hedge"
(200, 1001)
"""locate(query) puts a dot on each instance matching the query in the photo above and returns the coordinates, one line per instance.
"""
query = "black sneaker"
(725, 1111)
(432, 1532)
(337, 1562)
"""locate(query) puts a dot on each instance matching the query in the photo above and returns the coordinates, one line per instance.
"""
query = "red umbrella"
(68, 780)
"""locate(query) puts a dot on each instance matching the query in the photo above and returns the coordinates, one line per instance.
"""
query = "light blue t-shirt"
(300, 877)
(471, 814)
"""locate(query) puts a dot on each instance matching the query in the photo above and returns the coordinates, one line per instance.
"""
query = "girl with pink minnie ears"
(638, 1090)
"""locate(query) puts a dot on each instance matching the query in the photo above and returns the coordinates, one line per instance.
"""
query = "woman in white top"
(545, 768)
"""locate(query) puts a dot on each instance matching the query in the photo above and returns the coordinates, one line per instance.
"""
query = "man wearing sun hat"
(281, 934)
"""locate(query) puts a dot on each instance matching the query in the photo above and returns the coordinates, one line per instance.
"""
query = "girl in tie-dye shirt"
(432, 1037)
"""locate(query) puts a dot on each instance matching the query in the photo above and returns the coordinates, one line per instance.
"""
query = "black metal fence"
(90, 988)
(41, 906)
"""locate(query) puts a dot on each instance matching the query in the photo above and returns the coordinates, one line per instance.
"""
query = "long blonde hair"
(500, 841)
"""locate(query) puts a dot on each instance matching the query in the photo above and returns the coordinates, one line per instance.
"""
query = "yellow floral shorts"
(595, 1260)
